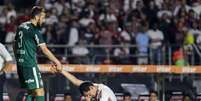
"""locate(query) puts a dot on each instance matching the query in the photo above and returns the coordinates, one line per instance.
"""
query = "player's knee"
(39, 92)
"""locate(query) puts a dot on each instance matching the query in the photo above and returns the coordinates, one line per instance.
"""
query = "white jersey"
(4, 56)
(105, 93)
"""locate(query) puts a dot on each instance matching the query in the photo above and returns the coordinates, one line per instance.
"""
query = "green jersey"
(28, 38)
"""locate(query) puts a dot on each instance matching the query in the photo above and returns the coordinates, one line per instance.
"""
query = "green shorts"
(30, 77)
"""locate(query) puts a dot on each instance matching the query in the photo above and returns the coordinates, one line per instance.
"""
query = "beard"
(39, 24)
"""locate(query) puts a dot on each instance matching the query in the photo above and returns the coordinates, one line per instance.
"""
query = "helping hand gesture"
(56, 68)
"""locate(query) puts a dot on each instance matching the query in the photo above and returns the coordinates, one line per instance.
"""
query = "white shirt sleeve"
(4, 53)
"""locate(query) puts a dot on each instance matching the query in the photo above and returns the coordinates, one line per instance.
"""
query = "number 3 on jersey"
(20, 41)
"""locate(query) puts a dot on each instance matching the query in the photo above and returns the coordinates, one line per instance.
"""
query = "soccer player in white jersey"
(5, 65)
(99, 92)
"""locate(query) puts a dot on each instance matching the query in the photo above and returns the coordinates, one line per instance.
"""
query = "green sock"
(40, 98)
(29, 98)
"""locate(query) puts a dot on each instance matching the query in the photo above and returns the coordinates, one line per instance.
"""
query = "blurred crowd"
(149, 25)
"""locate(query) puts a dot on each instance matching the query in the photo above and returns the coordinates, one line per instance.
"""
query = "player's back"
(27, 39)
(106, 94)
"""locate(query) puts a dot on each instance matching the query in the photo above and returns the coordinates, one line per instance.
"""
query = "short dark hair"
(84, 87)
(152, 91)
(36, 10)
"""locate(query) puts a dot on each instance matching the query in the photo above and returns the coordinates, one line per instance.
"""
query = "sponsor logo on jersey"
(29, 81)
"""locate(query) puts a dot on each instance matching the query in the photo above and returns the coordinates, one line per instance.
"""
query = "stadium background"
(161, 36)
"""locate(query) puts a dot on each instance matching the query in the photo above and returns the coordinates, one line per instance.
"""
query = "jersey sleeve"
(39, 38)
(4, 53)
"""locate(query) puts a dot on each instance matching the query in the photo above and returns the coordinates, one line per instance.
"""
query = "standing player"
(99, 92)
(5, 65)
(28, 38)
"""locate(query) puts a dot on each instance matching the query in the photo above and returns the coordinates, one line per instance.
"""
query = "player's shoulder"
(1, 45)
(101, 86)
(25, 24)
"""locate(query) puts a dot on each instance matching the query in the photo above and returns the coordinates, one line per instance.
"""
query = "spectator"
(49, 34)
(127, 96)
(108, 15)
(73, 34)
(187, 98)
(194, 29)
(159, 3)
(165, 10)
(179, 33)
(10, 29)
(11, 13)
(164, 24)
(180, 5)
(67, 97)
(89, 34)
(81, 53)
(156, 40)
(122, 54)
(104, 37)
(61, 33)
(151, 12)
(153, 96)
(191, 18)
(59, 5)
(126, 6)
(127, 32)
(51, 16)
(137, 4)
(178, 57)
(142, 42)
(3, 18)
(86, 19)
(197, 7)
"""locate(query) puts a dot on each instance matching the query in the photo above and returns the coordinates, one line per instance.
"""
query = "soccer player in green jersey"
(28, 39)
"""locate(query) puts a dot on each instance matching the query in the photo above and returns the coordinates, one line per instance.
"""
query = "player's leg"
(30, 79)
(25, 79)
(36, 95)
(39, 94)
(30, 96)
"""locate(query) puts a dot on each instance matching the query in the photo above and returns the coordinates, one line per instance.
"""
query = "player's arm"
(7, 58)
(50, 55)
(41, 43)
(7, 67)
(72, 78)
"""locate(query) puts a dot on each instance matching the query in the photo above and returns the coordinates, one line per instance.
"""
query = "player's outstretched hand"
(59, 67)
(53, 68)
